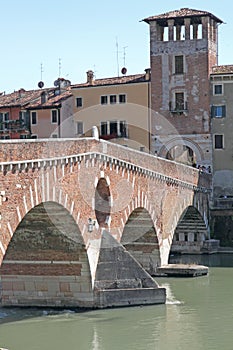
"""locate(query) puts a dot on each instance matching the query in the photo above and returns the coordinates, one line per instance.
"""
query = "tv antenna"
(59, 73)
(41, 71)
(41, 83)
(117, 56)
(124, 54)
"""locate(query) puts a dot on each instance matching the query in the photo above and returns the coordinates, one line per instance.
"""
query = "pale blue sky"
(82, 34)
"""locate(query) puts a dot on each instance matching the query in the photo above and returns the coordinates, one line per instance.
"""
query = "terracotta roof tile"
(52, 100)
(182, 13)
(32, 98)
(18, 98)
(226, 69)
(137, 78)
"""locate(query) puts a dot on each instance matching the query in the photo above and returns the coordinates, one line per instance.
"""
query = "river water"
(198, 315)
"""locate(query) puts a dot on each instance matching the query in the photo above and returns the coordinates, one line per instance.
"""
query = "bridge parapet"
(22, 155)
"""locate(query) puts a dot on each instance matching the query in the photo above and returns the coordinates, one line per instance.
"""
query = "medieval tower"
(183, 49)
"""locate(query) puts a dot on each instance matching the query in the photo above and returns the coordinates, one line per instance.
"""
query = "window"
(33, 118)
(113, 128)
(104, 100)
(179, 64)
(122, 98)
(218, 111)
(79, 102)
(104, 128)
(54, 136)
(79, 128)
(54, 116)
(112, 99)
(179, 101)
(123, 129)
(218, 141)
(218, 89)
(4, 117)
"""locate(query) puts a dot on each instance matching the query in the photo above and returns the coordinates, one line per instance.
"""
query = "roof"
(32, 98)
(226, 69)
(128, 79)
(18, 98)
(181, 14)
(52, 100)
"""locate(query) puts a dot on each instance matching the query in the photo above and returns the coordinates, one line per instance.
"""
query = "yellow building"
(119, 107)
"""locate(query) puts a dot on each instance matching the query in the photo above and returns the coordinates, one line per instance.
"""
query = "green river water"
(198, 315)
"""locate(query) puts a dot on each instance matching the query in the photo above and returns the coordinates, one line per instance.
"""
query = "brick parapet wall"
(23, 154)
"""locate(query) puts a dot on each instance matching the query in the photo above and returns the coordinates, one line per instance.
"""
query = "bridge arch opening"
(139, 237)
(46, 263)
(182, 150)
(102, 203)
(190, 232)
(182, 154)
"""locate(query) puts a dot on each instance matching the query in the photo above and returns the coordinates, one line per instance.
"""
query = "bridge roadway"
(85, 222)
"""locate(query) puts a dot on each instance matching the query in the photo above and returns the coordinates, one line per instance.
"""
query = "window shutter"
(223, 111)
(212, 111)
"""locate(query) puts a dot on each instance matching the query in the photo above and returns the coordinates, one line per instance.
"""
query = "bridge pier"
(120, 280)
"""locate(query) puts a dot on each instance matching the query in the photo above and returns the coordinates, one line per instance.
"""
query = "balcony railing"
(17, 125)
(178, 107)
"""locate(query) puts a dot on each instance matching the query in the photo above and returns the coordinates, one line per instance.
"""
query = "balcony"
(14, 129)
(178, 108)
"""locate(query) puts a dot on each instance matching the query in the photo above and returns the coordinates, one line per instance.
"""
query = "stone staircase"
(190, 234)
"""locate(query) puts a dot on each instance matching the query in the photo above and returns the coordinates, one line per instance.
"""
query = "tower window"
(218, 141)
(179, 64)
(218, 89)
(218, 111)
(179, 101)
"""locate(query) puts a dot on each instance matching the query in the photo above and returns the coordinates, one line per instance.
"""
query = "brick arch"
(29, 200)
(140, 238)
(47, 258)
(184, 141)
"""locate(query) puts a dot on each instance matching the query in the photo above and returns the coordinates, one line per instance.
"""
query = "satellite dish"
(124, 70)
(56, 83)
(40, 84)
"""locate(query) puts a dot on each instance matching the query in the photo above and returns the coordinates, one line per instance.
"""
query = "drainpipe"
(59, 122)
(148, 78)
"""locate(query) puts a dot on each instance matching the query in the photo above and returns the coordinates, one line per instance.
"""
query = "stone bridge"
(85, 223)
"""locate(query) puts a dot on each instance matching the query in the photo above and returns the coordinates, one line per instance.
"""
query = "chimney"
(90, 77)
(147, 74)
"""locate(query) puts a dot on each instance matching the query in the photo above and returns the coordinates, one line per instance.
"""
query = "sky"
(47, 39)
